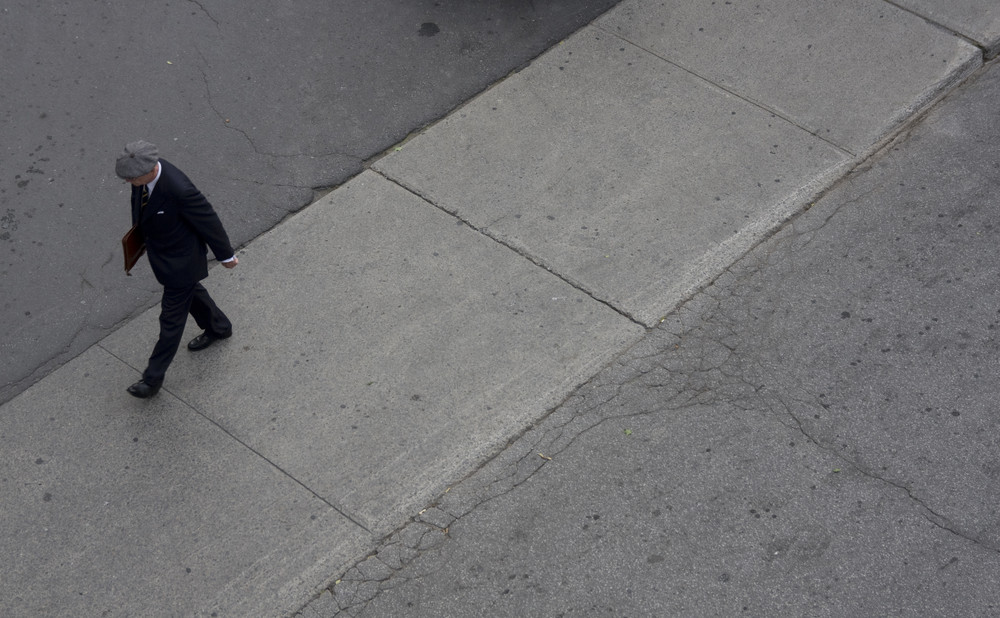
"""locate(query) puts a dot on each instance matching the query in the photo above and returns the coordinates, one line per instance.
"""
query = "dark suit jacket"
(177, 224)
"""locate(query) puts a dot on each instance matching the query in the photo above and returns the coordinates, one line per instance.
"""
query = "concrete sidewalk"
(815, 434)
(401, 331)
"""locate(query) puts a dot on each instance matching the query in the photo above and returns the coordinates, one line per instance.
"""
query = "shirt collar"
(152, 183)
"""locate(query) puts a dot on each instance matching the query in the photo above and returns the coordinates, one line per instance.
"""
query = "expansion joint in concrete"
(520, 252)
(986, 51)
(730, 92)
(344, 513)
(256, 453)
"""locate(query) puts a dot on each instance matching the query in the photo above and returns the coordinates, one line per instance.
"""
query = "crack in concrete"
(218, 26)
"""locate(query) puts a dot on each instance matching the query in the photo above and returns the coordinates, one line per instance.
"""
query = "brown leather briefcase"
(133, 247)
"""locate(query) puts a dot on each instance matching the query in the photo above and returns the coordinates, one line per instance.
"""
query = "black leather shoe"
(142, 390)
(204, 340)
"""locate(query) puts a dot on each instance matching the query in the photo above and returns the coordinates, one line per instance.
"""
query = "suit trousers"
(177, 303)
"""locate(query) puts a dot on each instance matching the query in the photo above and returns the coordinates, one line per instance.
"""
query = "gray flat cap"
(138, 159)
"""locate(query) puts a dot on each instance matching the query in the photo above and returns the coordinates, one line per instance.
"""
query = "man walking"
(176, 223)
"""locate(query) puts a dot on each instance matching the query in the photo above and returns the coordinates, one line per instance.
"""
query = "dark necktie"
(145, 198)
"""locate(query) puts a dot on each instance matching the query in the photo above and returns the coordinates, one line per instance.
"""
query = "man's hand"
(231, 263)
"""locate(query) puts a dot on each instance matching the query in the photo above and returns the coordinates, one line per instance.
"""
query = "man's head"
(137, 163)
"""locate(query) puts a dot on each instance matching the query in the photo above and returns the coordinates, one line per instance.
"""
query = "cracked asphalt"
(815, 433)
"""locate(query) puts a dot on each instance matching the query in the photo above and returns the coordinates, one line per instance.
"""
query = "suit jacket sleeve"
(202, 218)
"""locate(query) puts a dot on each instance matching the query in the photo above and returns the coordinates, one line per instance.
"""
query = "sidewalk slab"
(848, 71)
(112, 506)
(383, 348)
(979, 20)
(814, 434)
(628, 176)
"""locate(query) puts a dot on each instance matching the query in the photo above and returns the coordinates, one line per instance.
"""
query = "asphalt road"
(264, 105)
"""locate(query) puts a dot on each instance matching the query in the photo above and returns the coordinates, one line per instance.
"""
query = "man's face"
(145, 179)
